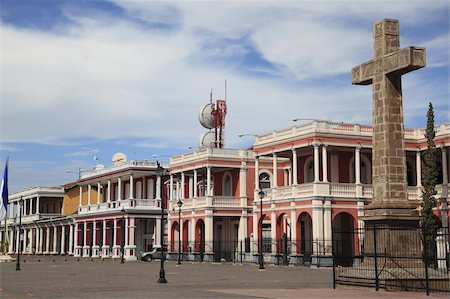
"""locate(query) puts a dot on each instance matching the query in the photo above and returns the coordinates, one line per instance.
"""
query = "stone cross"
(388, 152)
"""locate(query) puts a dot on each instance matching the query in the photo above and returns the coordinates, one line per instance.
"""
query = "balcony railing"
(114, 205)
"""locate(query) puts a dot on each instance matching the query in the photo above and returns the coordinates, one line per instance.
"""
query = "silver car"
(152, 255)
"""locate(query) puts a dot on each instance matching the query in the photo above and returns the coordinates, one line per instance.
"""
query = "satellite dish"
(206, 140)
(119, 158)
(206, 117)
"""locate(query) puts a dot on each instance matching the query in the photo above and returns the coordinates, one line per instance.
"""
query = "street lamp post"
(20, 234)
(162, 274)
(180, 203)
(122, 260)
(261, 195)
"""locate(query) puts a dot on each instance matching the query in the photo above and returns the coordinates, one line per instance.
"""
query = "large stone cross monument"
(390, 201)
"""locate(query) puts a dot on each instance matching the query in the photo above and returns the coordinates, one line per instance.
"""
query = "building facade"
(315, 178)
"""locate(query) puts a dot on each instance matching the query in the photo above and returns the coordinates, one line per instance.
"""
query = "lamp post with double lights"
(261, 195)
(20, 236)
(160, 171)
(122, 260)
(179, 203)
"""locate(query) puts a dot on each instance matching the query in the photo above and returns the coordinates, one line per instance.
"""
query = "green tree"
(430, 222)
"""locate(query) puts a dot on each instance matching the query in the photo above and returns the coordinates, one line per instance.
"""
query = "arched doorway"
(200, 238)
(343, 238)
(284, 237)
(305, 239)
(185, 237)
(174, 236)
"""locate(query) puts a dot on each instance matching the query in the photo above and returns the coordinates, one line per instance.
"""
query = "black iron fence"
(275, 251)
(392, 258)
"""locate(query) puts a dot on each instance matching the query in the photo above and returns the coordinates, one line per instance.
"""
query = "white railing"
(342, 190)
(226, 201)
(339, 128)
(284, 192)
(303, 189)
(113, 205)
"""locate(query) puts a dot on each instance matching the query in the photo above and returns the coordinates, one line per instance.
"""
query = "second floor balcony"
(128, 204)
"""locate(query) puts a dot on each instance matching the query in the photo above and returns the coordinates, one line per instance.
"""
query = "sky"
(91, 78)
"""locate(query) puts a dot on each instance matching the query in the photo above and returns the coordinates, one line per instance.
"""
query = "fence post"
(377, 286)
(332, 256)
(425, 258)
(241, 250)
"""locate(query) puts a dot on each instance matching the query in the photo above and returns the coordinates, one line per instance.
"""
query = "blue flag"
(4, 189)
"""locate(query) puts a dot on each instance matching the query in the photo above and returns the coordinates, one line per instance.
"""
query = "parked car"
(152, 255)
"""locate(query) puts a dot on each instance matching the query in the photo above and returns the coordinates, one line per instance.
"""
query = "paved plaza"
(68, 277)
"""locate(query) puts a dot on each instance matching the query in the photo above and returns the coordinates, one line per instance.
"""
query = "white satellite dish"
(119, 158)
(206, 140)
(206, 117)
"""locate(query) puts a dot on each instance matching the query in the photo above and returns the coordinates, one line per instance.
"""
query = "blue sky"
(91, 78)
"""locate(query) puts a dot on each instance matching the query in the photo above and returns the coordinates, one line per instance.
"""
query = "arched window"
(309, 170)
(227, 188)
(264, 180)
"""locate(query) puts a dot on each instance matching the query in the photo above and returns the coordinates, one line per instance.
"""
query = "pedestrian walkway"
(68, 277)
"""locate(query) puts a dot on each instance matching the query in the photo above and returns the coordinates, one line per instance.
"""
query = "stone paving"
(66, 277)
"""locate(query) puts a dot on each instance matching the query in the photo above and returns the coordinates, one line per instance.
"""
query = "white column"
(119, 189)
(183, 183)
(125, 242)
(317, 223)
(256, 228)
(132, 233)
(70, 251)
(75, 241)
(418, 169)
(208, 181)
(55, 239)
(17, 239)
(25, 208)
(158, 232)
(191, 186)
(324, 164)
(195, 183)
(209, 231)
(294, 166)
(63, 239)
(41, 240)
(89, 194)
(95, 247)
(47, 240)
(11, 235)
(293, 223)
(108, 196)
(256, 173)
(131, 186)
(25, 240)
(358, 165)
(37, 239)
(444, 165)
(105, 247)
(99, 186)
(275, 171)
(171, 188)
(316, 162)
(327, 226)
(115, 246)
(273, 228)
(86, 246)
(37, 204)
(81, 196)
(243, 181)
(158, 187)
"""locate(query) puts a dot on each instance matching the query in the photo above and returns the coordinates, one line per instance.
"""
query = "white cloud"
(110, 79)
(83, 153)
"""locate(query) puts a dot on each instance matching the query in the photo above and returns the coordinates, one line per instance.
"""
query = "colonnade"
(48, 238)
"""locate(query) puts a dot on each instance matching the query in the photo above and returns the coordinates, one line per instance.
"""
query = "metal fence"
(392, 258)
